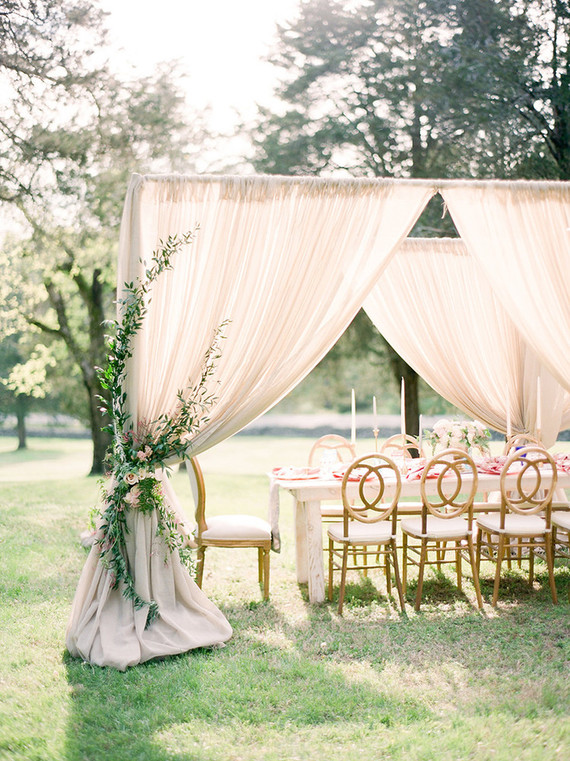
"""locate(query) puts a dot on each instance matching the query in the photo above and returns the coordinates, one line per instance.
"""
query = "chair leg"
(266, 557)
(438, 555)
(478, 558)
(200, 566)
(549, 548)
(331, 567)
(342, 578)
(458, 566)
(388, 572)
(475, 572)
(500, 553)
(423, 557)
(531, 546)
(260, 564)
(404, 562)
(399, 586)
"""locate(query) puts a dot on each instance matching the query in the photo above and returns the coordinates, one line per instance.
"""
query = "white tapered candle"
(403, 408)
(374, 415)
(538, 406)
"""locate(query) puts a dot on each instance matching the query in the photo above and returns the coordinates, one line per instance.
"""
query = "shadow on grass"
(285, 673)
(265, 678)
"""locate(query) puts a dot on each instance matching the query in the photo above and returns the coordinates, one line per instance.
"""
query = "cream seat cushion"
(515, 525)
(228, 527)
(362, 533)
(561, 519)
(437, 528)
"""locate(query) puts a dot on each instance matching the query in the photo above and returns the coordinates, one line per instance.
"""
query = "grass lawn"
(295, 681)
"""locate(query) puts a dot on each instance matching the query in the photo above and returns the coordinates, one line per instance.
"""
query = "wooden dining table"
(308, 493)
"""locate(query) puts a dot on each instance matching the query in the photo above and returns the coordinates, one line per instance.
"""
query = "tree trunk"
(101, 439)
(21, 410)
(401, 369)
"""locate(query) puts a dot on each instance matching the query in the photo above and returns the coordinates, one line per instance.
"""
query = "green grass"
(295, 681)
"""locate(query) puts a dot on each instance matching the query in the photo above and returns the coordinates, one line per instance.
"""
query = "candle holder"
(375, 431)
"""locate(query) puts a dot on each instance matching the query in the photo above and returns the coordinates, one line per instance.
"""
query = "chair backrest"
(518, 440)
(401, 445)
(456, 480)
(333, 446)
(373, 473)
(535, 483)
(195, 472)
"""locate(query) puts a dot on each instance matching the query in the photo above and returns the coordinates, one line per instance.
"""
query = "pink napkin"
(562, 462)
(295, 474)
(493, 465)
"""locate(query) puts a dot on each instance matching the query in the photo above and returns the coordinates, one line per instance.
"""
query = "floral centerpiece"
(459, 434)
(138, 457)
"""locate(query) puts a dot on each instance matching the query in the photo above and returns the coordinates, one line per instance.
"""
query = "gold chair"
(518, 440)
(331, 449)
(401, 445)
(524, 521)
(369, 524)
(229, 531)
(512, 443)
(443, 528)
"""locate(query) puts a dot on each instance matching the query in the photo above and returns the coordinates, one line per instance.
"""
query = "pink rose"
(131, 479)
(132, 497)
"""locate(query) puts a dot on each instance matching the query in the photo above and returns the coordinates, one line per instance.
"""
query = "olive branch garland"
(136, 455)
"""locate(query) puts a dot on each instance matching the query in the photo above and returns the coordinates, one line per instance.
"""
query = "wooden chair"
(331, 449)
(518, 440)
(398, 447)
(446, 523)
(401, 445)
(524, 521)
(512, 443)
(229, 531)
(368, 522)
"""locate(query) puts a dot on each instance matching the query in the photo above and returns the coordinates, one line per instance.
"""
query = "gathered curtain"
(519, 235)
(434, 305)
(287, 262)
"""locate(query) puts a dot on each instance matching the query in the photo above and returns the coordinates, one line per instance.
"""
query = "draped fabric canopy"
(288, 262)
(437, 309)
(519, 234)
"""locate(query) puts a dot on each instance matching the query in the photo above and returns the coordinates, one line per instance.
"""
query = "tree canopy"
(73, 133)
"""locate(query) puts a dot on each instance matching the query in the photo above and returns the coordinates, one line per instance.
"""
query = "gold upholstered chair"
(445, 526)
(233, 531)
(524, 520)
(369, 522)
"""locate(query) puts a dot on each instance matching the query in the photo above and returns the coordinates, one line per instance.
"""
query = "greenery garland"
(136, 455)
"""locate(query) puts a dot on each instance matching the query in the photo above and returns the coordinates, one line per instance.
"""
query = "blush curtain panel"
(288, 262)
(519, 235)
(435, 306)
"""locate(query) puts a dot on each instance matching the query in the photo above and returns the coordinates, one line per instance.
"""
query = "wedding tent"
(288, 262)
